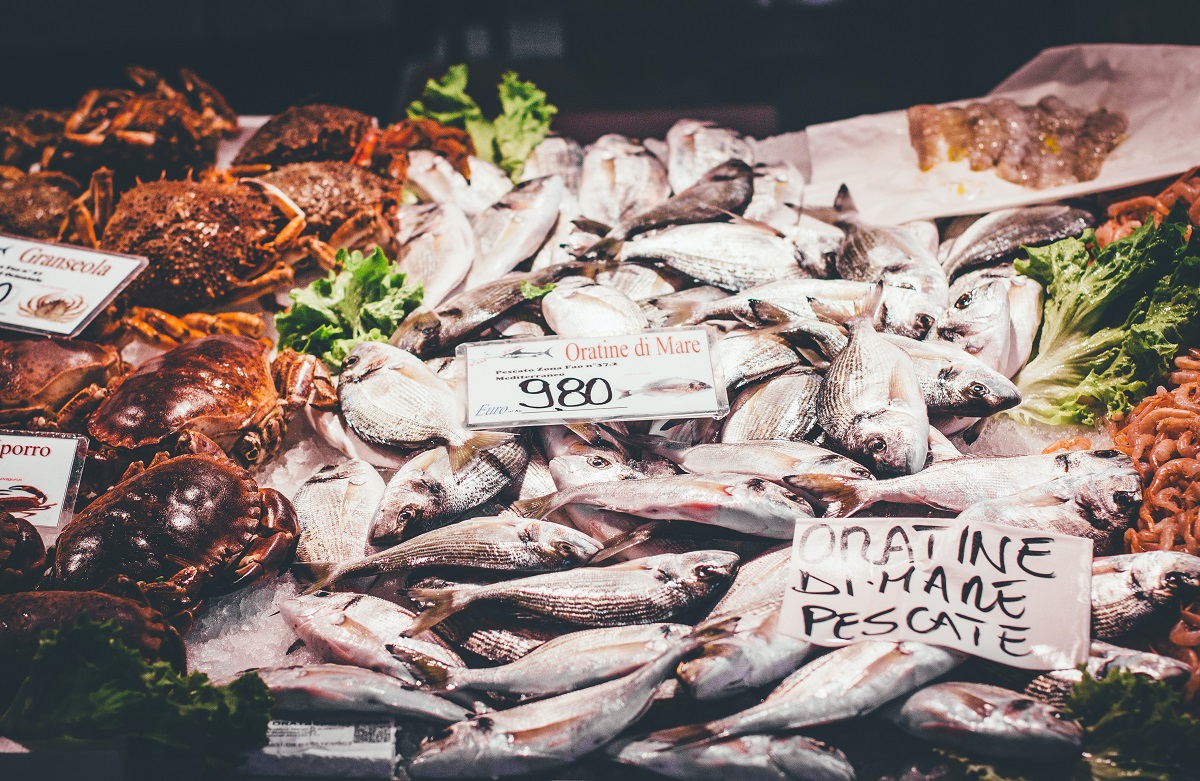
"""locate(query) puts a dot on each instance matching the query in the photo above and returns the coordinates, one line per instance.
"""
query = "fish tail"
(477, 441)
(325, 575)
(697, 734)
(844, 204)
(432, 672)
(842, 496)
(443, 603)
(681, 312)
(607, 248)
(534, 507)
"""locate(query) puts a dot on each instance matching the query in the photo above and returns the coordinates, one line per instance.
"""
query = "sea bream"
(334, 508)
(995, 316)
(620, 178)
(770, 459)
(1056, 686)
(556, 155)
(744, 758)
(954, 382)
(1001, 235)
(584, 308)
(778, 196)
(512, 229)
(1131, 593)
(782, 407)
(695, 147)
(437, 247)
(728, 255)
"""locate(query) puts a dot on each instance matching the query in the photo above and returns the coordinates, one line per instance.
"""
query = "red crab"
(22, 554)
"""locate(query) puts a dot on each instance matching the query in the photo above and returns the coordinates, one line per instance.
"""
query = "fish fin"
(443, 603)
(698, 734)
(606, 249)
(766, 313)
(534, 507)
(595, 227)
(865, 310)
(738, 219)
(294, 647)
(842, 496)
(477, 441)
(429, 670)
(623, 542)
(716, 628)
(844, 204)
(680, 312)
(316, 571)
(325, 577)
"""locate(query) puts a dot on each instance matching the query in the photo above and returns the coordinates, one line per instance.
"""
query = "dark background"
(610, 65)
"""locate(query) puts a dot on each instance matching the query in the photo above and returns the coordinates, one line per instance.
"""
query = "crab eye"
(977, 390)
(598, 462)
(877, 445)
(963, 301)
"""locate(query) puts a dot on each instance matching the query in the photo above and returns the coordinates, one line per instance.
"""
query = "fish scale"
(782, 407)
(333, 511)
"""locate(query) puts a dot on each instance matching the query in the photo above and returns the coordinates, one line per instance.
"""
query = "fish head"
(1167, 574)
(975, 390)
(978, 321)
(559, 545)
(317, 606)
(462, 749)
(572, 470)
(412, 501)
(1111, 498)
(364, 360)
(420, 333)
(702, 572)
(906, 312)
(1047, 727)
(892, 442)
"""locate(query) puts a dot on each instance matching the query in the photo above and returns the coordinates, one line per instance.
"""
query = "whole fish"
(782, 407)
(745, 758)
(512, 229)
(778, 196)
(843, 684)
(746, 504)
(1002, 234)
(505, 543)
(747, 356)
(334, 509)
(1056, 686)
(871, 406)
(564, 664)
(642, 591)
(755, 654)
(790, 295)
(695, 147)
(988, 721)
(431, 175)
(723, 191)
(570, 471)
(556, 155)
(1132, 592)
(770, 459)
(727, 255)
(437, 246)
(620, 178)
(341, 687)
(995, 316)
(955, 383)
(390, 397)
(957, 484)
(426, 493)
(888, 254)
(583, 308)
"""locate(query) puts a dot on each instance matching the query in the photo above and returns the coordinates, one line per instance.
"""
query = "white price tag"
(1016, 596)
(39, 477)
(643, 376)
(57, 289)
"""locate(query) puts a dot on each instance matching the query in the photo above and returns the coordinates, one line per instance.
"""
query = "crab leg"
(293, 213)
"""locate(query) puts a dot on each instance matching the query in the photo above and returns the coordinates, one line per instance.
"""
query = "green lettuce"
(85, 684)
(1112, 322)
(507, 141)
(532, 292)
(364, 302)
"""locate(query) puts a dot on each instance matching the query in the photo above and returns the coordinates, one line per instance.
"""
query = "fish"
(620, 178)
(642, 282)
(1056, 686)
(388, 396)
(995, 316)
(742, 503)
(334, 509)
(573, 661)
(695, 147)
(556, 155)
(957, 484)
(731, 256)
(535, 479)
(778, 196)
(643, 591)
(503, 543)
(871, 406)
(570, 471)
(888, 254)
(955, 383)
(941, 448)
(567, 440)
(426, 493)
(328, 688)
(1133, 592)
(497, 635)
(432, 176)
(845, 683)
(782, 407)
(789, 295)
(745, 758)
(671, 386)
(512, 229)
(770, 459)
(749, 356)
(759, 580)
(1001, 234)
(988, 721)
(437, 247)
(584, 308)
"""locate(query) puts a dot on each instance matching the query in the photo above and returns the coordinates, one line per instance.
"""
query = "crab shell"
(333, 193)
(183, 529)
(22, 554)
(36, 205)
(25, 616)
(39, 377)
(305, 133)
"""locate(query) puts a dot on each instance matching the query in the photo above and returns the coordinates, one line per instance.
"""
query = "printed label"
(643, 376)
(39, 476)
(1016, 596)
(57, 289)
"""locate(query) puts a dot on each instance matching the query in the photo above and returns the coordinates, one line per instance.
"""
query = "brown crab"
(48, 384)
(183, 529)
(25, 135)
(22, 554)
(36, 205)
(306, 133)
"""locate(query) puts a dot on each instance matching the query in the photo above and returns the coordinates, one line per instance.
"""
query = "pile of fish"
(538, 591)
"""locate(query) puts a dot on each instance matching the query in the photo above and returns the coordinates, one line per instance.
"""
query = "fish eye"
(1175, 579)
(924, 323)
(565, 548)
(963, 301)
(407, 514)
(877, 445)
(861, 471)
(791, 497)
(598, 462)
(707, 572)
(1125, 499)
(350, 361)
(1020, 705)
(977, 390)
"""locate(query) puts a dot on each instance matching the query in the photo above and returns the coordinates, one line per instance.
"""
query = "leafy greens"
(364, 302)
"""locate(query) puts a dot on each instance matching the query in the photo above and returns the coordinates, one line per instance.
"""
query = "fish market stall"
(452, 448)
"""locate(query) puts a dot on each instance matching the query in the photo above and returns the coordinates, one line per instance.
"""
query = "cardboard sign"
(56, 289)
(642, 376)
(1016, 596)
(39, 477)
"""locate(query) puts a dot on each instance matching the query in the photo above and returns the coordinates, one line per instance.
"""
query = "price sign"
(55, 289)
(532, 382)
(39, 477)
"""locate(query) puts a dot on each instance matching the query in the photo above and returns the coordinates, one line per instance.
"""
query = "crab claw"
(271, 552)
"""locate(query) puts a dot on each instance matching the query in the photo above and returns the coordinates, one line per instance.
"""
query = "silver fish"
(431, 175)
(778, 196)
(497, 635)
(671, 386)
(695, 147)
(790, 295)
(426, 493)
(570, 471)
(390, 397)
(567, 441)
(637, 592)
(723, 191)
(783, 407)
(988, 721)
(535, 480)
(1055, 687)
(747, 356)
(556, 155)
(620, 177)
(729, 256)
(995, 316)
(955, 383)
(512, 229)
(333, 510)
(437, 246)
(745, 758)
(583, 308)
(1000, 235)
(957, 484)
(759, 580)
(341, 687)
(769, 459)
(1131, 592)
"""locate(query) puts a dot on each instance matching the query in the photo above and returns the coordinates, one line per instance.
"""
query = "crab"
(23, 500)
(48, 384)
(387, 150)
(306, 133)
(55, 307)
(183, 529)
(36, 205)
(144, 133)
(22, 554)
(25, 135)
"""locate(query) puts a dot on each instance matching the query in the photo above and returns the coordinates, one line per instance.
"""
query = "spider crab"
(36, 205)
(308, 133)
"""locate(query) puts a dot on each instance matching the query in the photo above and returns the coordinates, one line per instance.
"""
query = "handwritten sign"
(39, 477)
(642, 376)
(56, 289)
(1015, 596)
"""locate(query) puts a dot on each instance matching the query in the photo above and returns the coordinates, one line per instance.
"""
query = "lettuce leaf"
(446, 101)
(364, 302)
(85, 684)
(532, 292)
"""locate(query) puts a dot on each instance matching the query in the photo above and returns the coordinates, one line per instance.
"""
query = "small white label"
(39, 476)
(1015, 596)
(643, 376)
(57, 289)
